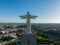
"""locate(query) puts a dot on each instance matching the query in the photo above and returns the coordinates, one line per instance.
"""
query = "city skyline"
(48, 11)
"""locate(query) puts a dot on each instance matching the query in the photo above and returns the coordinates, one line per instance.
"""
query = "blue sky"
(48, 11)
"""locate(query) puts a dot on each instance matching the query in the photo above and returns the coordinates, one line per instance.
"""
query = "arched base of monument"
(28, 39)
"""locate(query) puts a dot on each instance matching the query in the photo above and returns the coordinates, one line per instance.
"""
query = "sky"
(48, 11)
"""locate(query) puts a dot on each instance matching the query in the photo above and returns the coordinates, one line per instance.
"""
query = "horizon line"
(21, 22)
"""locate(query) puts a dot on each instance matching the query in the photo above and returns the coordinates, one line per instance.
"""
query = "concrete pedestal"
(28, 39)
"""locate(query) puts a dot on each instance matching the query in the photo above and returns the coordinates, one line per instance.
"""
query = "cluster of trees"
(42, 38)
(5, 38)
(13, 43)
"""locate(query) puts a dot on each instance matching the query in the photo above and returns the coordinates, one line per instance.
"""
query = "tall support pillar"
(28, 26)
